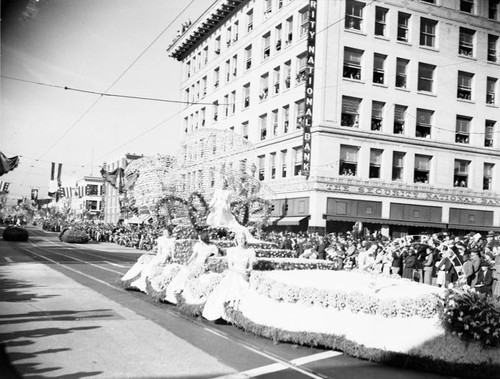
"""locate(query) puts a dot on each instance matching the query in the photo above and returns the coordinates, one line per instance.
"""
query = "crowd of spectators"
(435, 259)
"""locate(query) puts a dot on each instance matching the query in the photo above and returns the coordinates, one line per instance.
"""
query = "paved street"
(63, 315)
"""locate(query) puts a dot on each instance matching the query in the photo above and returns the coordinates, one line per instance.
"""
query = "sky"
(104, 46)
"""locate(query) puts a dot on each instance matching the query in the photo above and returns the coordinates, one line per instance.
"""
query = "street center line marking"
(255, 372)
(316, 357)
(270, 357)
(8, 259)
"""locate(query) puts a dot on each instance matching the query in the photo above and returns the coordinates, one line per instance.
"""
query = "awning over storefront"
(385, 221)
(473, 227)
(286, 221)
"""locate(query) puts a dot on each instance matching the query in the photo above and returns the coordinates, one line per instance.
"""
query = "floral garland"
(471, 316)
(356, 302)
(268, 264)
(203, 285)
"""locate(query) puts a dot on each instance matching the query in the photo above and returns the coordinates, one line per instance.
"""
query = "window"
(462, 129)
(492, 48)
(301, 68)
(274, 122)
(352, 63)
(401, 68)
(232, 102)
(203, 116)
(246, 95)
(287, 72)
(249, 20)
(354, 15)
(460, 179)
(350, 111)
(264, 86)
(234, 65)
(286, 118)
(464, 89)
(235, 31)
(226, 105)
(348, 160)
(427, 32)
(283, 163)
(377, 115)
(188, 69)
(228, 70)
(403, 26)
(217, 45)
(263, 126)
(278, 37)
(304, 22)
(380, 21)
(467, 6)
(248, 57)
(399, 119)
(424, 123)
(266, 42)
(466, 42)
(272, 163)
(262, 166)
(268, 7)
(91, 205)
(229, 34)
(422, 169)
(300, 107)
(493, 6)
(379, 68)
(426, 77)
(244, 129)
(204, 86)
(92, 190)
(297, 161)
(488, 133)
(276, 80)
(488, 176)
(216, 110)
(375, 162)
(398, 160)
(491, 84)
(289, 30)
(429, 1)
(216, 77)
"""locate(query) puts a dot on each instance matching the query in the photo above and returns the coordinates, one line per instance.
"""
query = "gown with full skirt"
(233, 286)
(220, 215)
(149, 265)
(200, 255)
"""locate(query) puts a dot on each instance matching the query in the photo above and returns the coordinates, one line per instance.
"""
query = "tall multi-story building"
(90, 200)
(384, 112)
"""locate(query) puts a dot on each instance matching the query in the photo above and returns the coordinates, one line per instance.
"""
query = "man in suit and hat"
(484, 281)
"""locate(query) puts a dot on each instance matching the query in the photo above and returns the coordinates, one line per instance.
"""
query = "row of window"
(424, 121)
(428, 35)
(473, 7)
(426, 75)
(275, 165)
(272, 41)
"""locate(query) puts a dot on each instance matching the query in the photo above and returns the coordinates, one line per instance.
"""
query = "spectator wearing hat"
(484, 283)
(446, 270)
(476, 263)
(409, 263)
(468, 268)
(397, 262)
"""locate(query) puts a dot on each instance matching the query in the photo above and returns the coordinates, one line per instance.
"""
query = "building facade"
(89, 202)
(382, 112)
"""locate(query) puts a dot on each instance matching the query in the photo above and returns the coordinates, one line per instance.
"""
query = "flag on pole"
(4, 186)
(67, 191)
(55, 182)
(8, 164)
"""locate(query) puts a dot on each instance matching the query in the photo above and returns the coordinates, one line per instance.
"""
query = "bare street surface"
(63, 315)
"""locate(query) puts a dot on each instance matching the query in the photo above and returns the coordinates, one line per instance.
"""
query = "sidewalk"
(52, 326)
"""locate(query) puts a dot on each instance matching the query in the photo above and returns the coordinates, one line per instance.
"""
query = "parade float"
(377, 317)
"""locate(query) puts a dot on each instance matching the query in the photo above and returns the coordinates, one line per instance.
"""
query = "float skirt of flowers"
(370, 317)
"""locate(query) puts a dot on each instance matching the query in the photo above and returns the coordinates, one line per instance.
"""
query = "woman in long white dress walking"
(234, 285)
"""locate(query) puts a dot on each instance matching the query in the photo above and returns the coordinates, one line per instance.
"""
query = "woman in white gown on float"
(202, 250)
(147, 265)
(234, 285)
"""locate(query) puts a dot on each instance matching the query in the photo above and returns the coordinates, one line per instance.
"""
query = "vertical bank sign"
(308, 111)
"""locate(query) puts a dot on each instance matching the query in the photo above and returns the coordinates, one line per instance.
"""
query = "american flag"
(67, 191)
